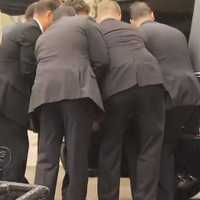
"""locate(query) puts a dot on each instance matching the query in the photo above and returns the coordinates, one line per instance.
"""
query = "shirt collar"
(39, 24)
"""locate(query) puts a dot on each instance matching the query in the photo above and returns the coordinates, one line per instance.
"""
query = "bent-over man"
(132, 88)
(169, 46)
(66, 97)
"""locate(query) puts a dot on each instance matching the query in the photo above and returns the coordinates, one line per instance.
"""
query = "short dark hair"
(140, 9)
(78, 5)
(63, 11)
(45, 5)
(30, 11)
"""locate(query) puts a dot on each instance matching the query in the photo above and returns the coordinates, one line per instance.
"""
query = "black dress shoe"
(187, 187)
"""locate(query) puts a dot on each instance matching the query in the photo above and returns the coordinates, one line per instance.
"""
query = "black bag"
(17, 191)
(187, 187)
(187, 167)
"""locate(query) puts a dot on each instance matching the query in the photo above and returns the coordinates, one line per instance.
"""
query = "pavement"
(125, 193)
(92, 185)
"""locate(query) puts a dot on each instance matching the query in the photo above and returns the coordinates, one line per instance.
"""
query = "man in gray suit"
(169, 46)
(66, 97)
(132, 88)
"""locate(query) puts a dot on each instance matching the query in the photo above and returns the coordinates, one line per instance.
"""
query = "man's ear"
(50, 16)
(152, 16)
(49, 13)
(120, 16)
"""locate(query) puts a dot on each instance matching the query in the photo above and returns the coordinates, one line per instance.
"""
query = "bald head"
(108, 9)
(140, 13)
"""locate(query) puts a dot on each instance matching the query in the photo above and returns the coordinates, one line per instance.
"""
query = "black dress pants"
(147, 104)
(176, 119)
(73, 120)
(14, 137)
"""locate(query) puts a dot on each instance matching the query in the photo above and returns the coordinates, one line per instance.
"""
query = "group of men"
(65, 71)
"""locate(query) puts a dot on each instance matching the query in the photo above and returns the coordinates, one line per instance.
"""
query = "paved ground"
(92, 192)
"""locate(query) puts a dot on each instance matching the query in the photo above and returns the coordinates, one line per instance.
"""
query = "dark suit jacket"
(170, 48)
(17, 67)
(130, 63)
(70, 55)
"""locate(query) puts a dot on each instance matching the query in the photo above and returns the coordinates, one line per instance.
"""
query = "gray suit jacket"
(130, 63)
(71, 54)
(170, 48)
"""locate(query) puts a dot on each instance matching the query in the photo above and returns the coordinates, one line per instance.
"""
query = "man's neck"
(106, 17)
(143, 21)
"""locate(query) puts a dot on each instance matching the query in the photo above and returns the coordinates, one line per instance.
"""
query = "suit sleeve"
(98, 50)
(143, 34)
(27, 58)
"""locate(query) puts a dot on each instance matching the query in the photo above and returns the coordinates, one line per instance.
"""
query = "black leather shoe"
(187, 187)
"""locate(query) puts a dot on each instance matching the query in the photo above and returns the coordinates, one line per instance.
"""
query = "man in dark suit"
(169, 46)
(132, 87)
(66, 97)
(17, 67)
